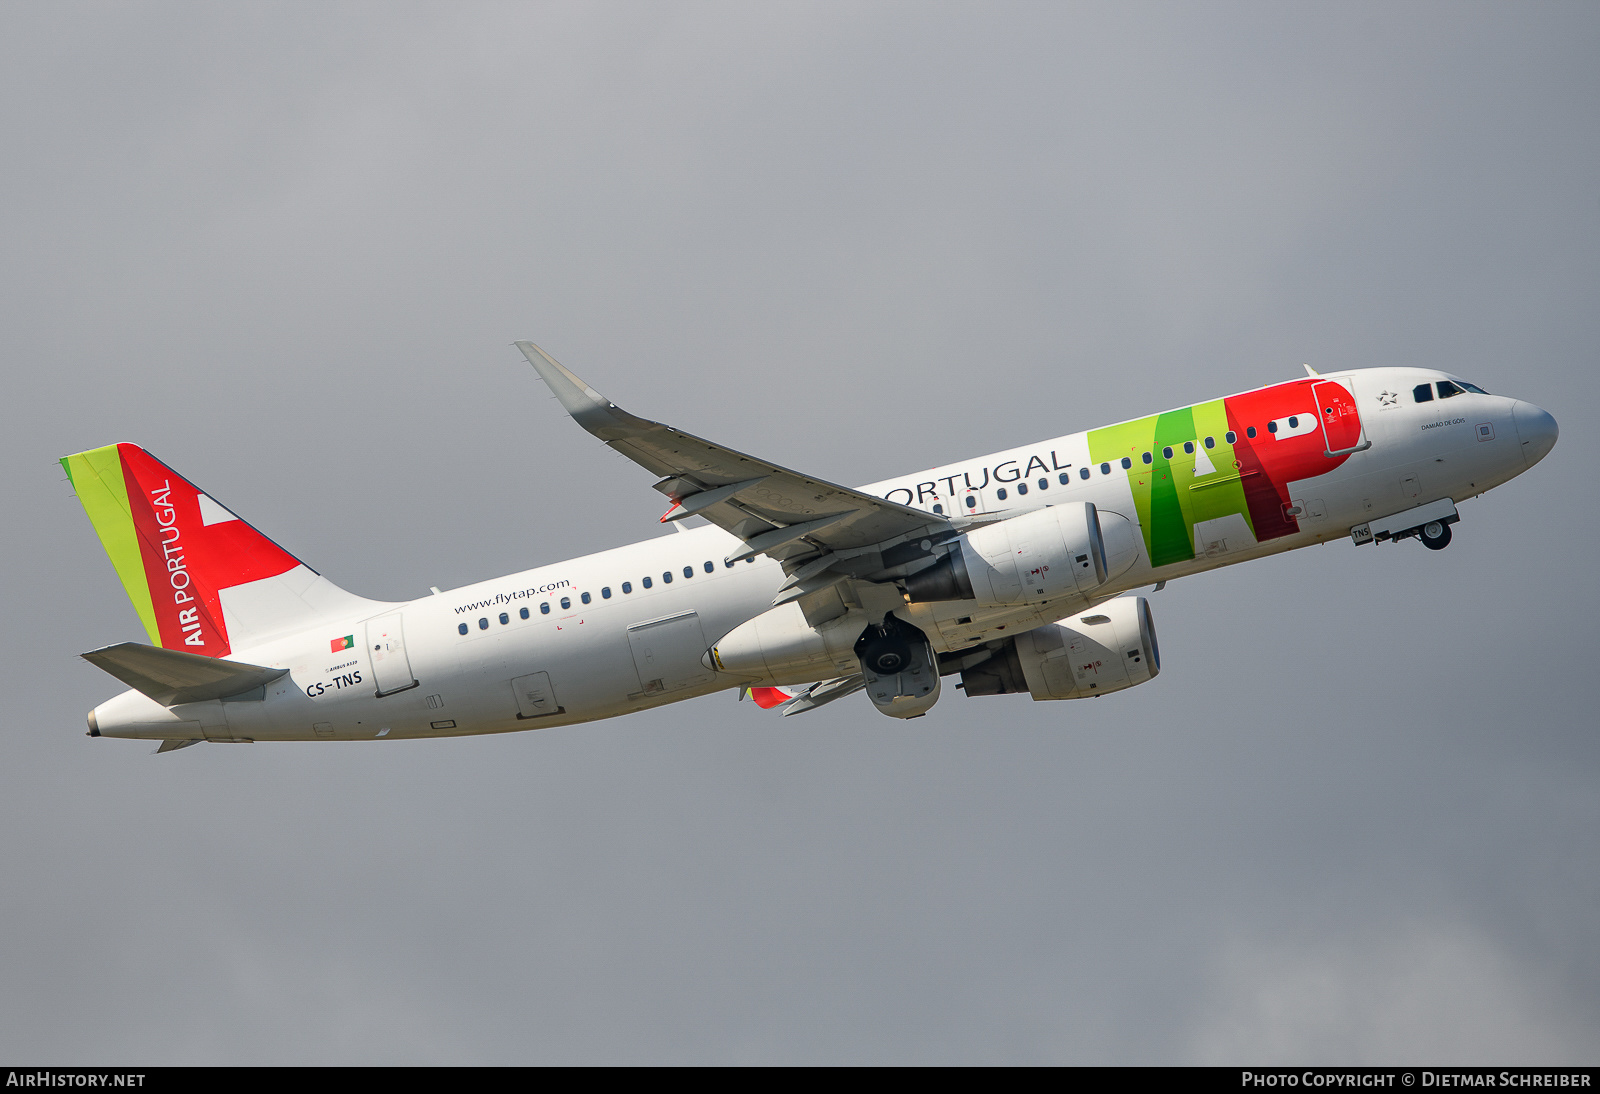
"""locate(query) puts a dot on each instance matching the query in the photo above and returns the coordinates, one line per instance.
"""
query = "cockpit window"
(1447, 389)
(1422, 393)
(1474, 388)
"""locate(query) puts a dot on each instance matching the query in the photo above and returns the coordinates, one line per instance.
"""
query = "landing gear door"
(1342, 430)
(387, 644)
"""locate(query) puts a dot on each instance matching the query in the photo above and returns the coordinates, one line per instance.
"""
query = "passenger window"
(937, 508)
(585, 598)
(1272, 427)
(1422, 393)
(462, 628)
(1147, 457)
(504, 619)
(972, 502)
(1127, 462)
(1230, 436)
(1083, 472)
(523, 614)
(1022, 488)
(728, 564)
(688, 571)
(483, 623)
(1211, 442)
(1166, 453)
(1188, 447)
(566, 602)
(1294, 421)
(544, 609)
(645, 582)
(627, 587)
(1001, 493)
(1250, 431)
(710, 569)
(1447, 389)
(1065, 478)
(1105, 468)
(666, 577)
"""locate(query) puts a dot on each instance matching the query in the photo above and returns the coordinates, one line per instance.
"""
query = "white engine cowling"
(1102, 650)
(779, 646)
(1048, 553)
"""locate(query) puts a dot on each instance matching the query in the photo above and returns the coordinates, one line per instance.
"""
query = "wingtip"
(587, 406)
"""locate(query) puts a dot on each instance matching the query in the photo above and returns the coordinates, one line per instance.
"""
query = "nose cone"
(1537, 431)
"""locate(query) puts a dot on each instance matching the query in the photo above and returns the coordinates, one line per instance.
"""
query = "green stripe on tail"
(98, 480)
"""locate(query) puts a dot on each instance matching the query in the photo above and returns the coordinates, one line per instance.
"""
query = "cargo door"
(535, 697)
(387, 644)
(667, 652)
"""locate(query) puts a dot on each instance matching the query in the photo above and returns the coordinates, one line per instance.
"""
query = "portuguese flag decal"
(346, 643)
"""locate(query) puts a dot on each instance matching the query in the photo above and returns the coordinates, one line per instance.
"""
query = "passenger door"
(386, 642)
(1342, 431)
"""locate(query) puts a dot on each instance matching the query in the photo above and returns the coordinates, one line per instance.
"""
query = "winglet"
(1311, 372)
(587, 406)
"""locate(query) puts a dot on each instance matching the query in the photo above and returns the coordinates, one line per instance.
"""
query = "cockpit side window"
(1422, 393)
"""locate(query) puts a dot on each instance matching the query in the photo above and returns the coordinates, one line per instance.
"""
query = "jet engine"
(1048, 553)
(1105, 649)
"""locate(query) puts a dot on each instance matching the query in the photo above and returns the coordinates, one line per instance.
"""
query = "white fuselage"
(626, 629)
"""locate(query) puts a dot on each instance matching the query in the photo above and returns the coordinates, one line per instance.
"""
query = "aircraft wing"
(812, 526)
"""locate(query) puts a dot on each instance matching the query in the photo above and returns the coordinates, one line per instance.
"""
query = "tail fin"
(202, 580)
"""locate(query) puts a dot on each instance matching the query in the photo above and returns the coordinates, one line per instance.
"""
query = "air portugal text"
(177, 572)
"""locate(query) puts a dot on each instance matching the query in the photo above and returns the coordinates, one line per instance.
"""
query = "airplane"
(1014, 572)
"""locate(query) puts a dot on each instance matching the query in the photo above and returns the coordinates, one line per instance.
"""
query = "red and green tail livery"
(174, 548)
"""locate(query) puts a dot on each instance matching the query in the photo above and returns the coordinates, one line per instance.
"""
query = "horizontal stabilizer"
(172, 676)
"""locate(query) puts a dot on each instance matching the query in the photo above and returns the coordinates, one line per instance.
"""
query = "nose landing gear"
(1435, 535)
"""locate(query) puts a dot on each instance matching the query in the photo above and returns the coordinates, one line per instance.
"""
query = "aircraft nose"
(1537, 431)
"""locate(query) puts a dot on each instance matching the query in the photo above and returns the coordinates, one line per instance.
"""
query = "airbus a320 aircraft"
(1007, 571)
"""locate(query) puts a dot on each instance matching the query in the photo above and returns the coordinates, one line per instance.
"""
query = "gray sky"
(286, 248)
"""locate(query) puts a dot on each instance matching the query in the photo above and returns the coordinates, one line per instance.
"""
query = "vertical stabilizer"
(201, 580)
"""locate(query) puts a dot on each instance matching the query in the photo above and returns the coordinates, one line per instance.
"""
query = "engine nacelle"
(780, 647)
(1105, 649)
(1051, 552)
